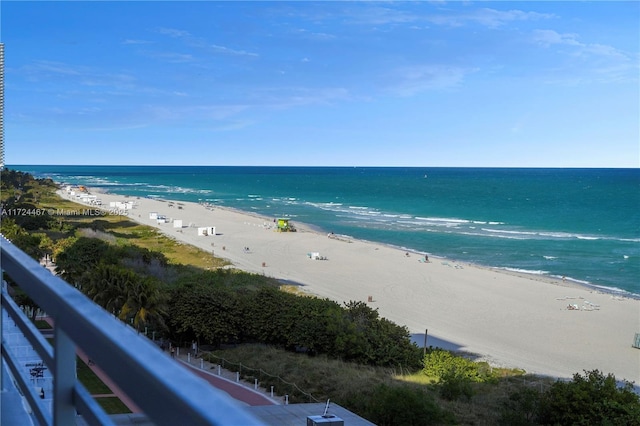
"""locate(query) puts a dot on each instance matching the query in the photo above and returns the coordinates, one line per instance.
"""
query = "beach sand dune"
(506, 318)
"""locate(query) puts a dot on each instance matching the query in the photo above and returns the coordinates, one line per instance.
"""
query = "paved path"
(238, 391)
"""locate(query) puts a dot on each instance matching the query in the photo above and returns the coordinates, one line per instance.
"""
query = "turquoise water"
(583, 224)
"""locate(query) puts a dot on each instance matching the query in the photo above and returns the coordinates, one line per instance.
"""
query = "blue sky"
(504, 84)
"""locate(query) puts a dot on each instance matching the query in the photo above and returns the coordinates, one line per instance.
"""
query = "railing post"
(3, 284)
(64, 378)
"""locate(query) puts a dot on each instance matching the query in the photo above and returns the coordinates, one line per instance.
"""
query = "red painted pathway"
(235, 390)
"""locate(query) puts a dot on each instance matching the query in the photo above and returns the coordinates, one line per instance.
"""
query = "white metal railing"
(166, 392)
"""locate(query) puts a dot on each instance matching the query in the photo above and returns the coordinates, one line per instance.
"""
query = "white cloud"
(547, 38)
(51, 67)
(413, 80)
(288, 97)
(228, 51)
(491, 18)
(314, 35)
(172, 32)
(606, 63)
(173, 57)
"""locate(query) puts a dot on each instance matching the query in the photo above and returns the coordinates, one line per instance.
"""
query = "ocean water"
(582, 224)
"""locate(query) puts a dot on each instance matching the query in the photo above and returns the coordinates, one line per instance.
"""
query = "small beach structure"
(316, 256)
(204, 231)
(88, 198)
(121, 205)
(283, 225)
(177, 223)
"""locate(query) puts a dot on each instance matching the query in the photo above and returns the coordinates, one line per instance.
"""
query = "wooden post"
(425, 341)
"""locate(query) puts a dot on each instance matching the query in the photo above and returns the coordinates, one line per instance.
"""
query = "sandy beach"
(508, 319)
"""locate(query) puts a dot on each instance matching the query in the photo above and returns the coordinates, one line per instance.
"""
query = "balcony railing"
(166, 392)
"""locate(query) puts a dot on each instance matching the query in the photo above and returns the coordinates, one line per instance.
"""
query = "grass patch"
(293, 289)
(88, 378)
(42, 325)
(95, 386)
(112, 405)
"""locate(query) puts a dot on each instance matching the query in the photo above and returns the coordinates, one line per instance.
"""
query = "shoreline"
(306, 227)
(508, 318)
(550, 279)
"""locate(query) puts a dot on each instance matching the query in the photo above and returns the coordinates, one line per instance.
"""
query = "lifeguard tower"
(285, 226)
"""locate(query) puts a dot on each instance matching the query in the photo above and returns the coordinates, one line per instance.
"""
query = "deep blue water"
(580, 223)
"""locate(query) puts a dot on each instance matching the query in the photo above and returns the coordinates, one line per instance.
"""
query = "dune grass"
(316, 379)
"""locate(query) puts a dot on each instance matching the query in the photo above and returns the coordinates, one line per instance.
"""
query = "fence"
(265, 379)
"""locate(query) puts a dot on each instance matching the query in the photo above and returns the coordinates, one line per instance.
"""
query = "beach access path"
(507, 319)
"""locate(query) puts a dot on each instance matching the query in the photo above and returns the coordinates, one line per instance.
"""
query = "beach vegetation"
(454, 374)
(441, 364)
(588, 399)
(215, 310)
(35, 244)
(372, 392)
(405, 405)
(17, 186)
(123, 293)
(80, 257)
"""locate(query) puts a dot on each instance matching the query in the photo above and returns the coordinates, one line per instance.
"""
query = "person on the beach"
(426, 258)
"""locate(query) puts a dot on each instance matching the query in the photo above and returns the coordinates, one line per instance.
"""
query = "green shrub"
(402, 405)
(454, 386)
(439, 363)
(592, 399)
(521, 408)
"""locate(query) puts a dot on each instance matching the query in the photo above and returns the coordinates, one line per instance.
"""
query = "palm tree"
(107, 285)
(145, 303)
